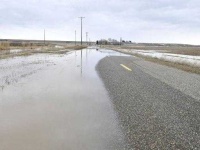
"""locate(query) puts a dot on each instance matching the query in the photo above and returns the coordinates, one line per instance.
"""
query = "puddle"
(62, 105)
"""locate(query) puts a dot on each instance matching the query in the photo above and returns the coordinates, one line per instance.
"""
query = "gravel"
(188, 83)
(152, 113)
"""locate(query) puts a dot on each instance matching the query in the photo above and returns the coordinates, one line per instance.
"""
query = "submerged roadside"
(57, 102)
(27, 51)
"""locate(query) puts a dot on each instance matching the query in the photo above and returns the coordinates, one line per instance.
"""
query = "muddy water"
(57, 102)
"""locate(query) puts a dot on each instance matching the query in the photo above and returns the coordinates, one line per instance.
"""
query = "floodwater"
(56, 102)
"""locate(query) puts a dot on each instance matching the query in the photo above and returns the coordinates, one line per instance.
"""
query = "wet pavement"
(57, 102)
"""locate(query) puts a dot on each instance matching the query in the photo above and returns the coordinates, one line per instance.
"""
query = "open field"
(9, 44)
(22, 48)
(175, 49)
(21, 42)
(195, 51)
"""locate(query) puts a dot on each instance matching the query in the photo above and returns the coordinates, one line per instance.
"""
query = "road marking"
(127, 68)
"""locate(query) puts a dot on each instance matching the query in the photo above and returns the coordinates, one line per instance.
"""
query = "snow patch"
(15, 50)
(176, 58)
(58, 46)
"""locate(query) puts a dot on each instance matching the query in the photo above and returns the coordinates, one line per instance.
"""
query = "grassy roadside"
(171, 64)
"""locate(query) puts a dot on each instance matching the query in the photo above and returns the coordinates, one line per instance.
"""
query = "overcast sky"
(164, 21)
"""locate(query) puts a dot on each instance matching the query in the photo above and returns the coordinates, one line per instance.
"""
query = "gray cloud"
(174, 21)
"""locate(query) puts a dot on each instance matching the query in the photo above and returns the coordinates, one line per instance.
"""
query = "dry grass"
(23, 45)
(4, 45)
(183, 67)
(77, 47)
(186, 50)
(193, 52)
(31, 46)
(29, 49)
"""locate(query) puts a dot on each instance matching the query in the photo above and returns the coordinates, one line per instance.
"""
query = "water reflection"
(81, 62)
(67, 111)
(88, 57)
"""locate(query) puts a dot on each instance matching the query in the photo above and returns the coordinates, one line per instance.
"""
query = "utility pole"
(44, 37)
(87, 38)
(81, 27)
(75, 37)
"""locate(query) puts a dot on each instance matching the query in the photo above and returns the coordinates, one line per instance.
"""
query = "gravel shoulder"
(188, 83)
(158, 106)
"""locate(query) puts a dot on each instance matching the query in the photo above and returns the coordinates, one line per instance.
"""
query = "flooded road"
(50, 102)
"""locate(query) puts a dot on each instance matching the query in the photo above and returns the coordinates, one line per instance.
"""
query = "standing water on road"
(56, 102)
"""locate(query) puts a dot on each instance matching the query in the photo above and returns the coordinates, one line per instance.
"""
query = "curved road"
(153, 113)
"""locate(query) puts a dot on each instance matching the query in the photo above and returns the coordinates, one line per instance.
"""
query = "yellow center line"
(127, 68)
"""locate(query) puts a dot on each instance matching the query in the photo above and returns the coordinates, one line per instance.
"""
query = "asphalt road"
(154, 111)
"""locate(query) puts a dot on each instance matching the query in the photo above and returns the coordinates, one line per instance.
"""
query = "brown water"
(56, 102)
